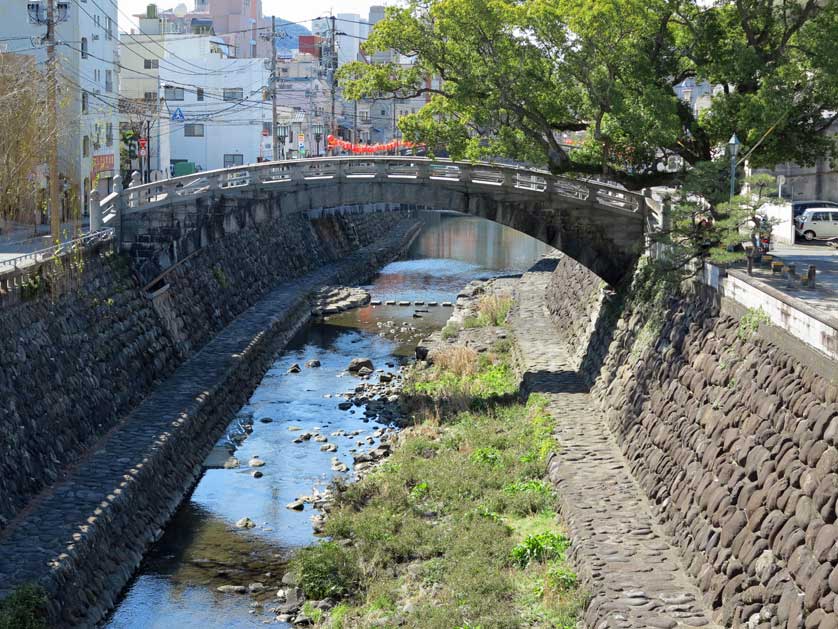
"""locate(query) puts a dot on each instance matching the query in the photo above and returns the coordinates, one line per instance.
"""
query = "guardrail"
(408, 169)
(33, 257)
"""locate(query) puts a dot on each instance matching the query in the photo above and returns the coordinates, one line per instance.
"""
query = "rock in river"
(246, 523)
(295, 368)
(256, 462)
(357, 363)
(313, 363)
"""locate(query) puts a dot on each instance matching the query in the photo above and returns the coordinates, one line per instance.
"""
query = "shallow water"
(201, 548)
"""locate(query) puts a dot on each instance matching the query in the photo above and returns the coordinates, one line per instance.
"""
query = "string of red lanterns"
(333, 142)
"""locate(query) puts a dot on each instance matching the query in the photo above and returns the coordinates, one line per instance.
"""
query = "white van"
(818, 222)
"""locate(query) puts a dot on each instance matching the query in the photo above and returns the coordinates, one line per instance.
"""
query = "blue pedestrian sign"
(178, 116)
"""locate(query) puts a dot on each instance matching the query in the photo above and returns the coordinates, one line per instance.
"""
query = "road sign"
(177, 115)
(143, 149)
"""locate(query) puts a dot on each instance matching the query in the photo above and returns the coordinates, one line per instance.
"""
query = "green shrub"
(449, 331)
(25, 608)
(540, 547)
(419, 491)
(326, 570)
(490, 457)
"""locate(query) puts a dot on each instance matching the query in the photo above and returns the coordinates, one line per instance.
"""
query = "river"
(201, 548)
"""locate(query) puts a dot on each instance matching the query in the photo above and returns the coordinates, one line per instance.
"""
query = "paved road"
(17, 240)
(825, 296)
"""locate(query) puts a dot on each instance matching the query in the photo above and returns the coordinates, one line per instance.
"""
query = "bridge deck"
(627, 562)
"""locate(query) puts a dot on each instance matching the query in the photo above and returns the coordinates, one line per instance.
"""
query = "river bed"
(201, 548)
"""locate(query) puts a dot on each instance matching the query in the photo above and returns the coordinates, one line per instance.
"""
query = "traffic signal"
(132, 149)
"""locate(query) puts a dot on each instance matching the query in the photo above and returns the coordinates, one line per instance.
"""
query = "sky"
(291, 10)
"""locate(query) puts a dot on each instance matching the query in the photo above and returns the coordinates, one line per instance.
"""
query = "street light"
(281, 134)
(733, 148)
(318, 133)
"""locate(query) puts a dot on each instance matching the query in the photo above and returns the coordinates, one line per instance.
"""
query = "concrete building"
(161, 48)
(348, 44)
(88, 72)
(217, 120)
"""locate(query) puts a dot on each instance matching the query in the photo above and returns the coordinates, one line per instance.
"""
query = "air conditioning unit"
(95, 38)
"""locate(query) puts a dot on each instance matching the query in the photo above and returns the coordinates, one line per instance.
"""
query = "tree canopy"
(513, 75)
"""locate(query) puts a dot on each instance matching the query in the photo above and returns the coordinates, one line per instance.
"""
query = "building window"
(109, 29)
(85, 147)
(84, 102)
(109, 134)
(96, 21)
(200, 93)
(266, 126)
(109, 80)
(173, 93)
(233, 159)
(233, 93)
(151, 64)
(193, 130)
(365, 116)
(150, 97)
(84, 47)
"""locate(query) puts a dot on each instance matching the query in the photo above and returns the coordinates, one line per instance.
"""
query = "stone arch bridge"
(159, 224)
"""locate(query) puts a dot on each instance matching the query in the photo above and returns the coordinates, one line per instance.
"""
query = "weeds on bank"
(457, 528)
(491, 311)
(459, 379)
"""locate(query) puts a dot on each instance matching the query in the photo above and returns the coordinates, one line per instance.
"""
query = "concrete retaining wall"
(733, 439)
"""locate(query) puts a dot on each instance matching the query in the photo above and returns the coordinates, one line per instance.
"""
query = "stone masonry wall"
(212, 287)
(734, 442)
(70, 366)
(73, 365)
(575, 297)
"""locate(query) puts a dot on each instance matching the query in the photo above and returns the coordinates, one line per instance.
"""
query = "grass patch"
(492, 310)
(434, 531)
(460, 379)
(326, 570)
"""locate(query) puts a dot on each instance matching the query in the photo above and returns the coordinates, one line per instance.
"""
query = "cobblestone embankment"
(628, 564)
(83, 538)
(733, 440)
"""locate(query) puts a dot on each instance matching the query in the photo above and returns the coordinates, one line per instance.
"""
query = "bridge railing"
(415, 169)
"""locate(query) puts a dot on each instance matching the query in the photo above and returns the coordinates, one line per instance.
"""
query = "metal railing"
(404, 169)
(33, 257)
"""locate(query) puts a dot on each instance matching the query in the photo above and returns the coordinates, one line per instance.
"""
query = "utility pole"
(52, 115)
(333, 64)
(274, 143)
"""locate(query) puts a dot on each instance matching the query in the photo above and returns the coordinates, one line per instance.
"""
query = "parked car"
(798, 207)
(819, 222)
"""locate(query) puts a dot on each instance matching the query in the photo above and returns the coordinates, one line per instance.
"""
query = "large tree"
(24, 131)
(513, 75)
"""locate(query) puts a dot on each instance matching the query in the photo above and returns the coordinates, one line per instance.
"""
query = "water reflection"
(201, 548)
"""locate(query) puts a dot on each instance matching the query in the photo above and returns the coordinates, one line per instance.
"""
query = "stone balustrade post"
(94, 209)
(119, 206)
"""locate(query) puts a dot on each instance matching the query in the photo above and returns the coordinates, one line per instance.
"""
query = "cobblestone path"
(625, 560)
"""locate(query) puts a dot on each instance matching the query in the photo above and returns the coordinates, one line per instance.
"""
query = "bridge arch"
(599, 225)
